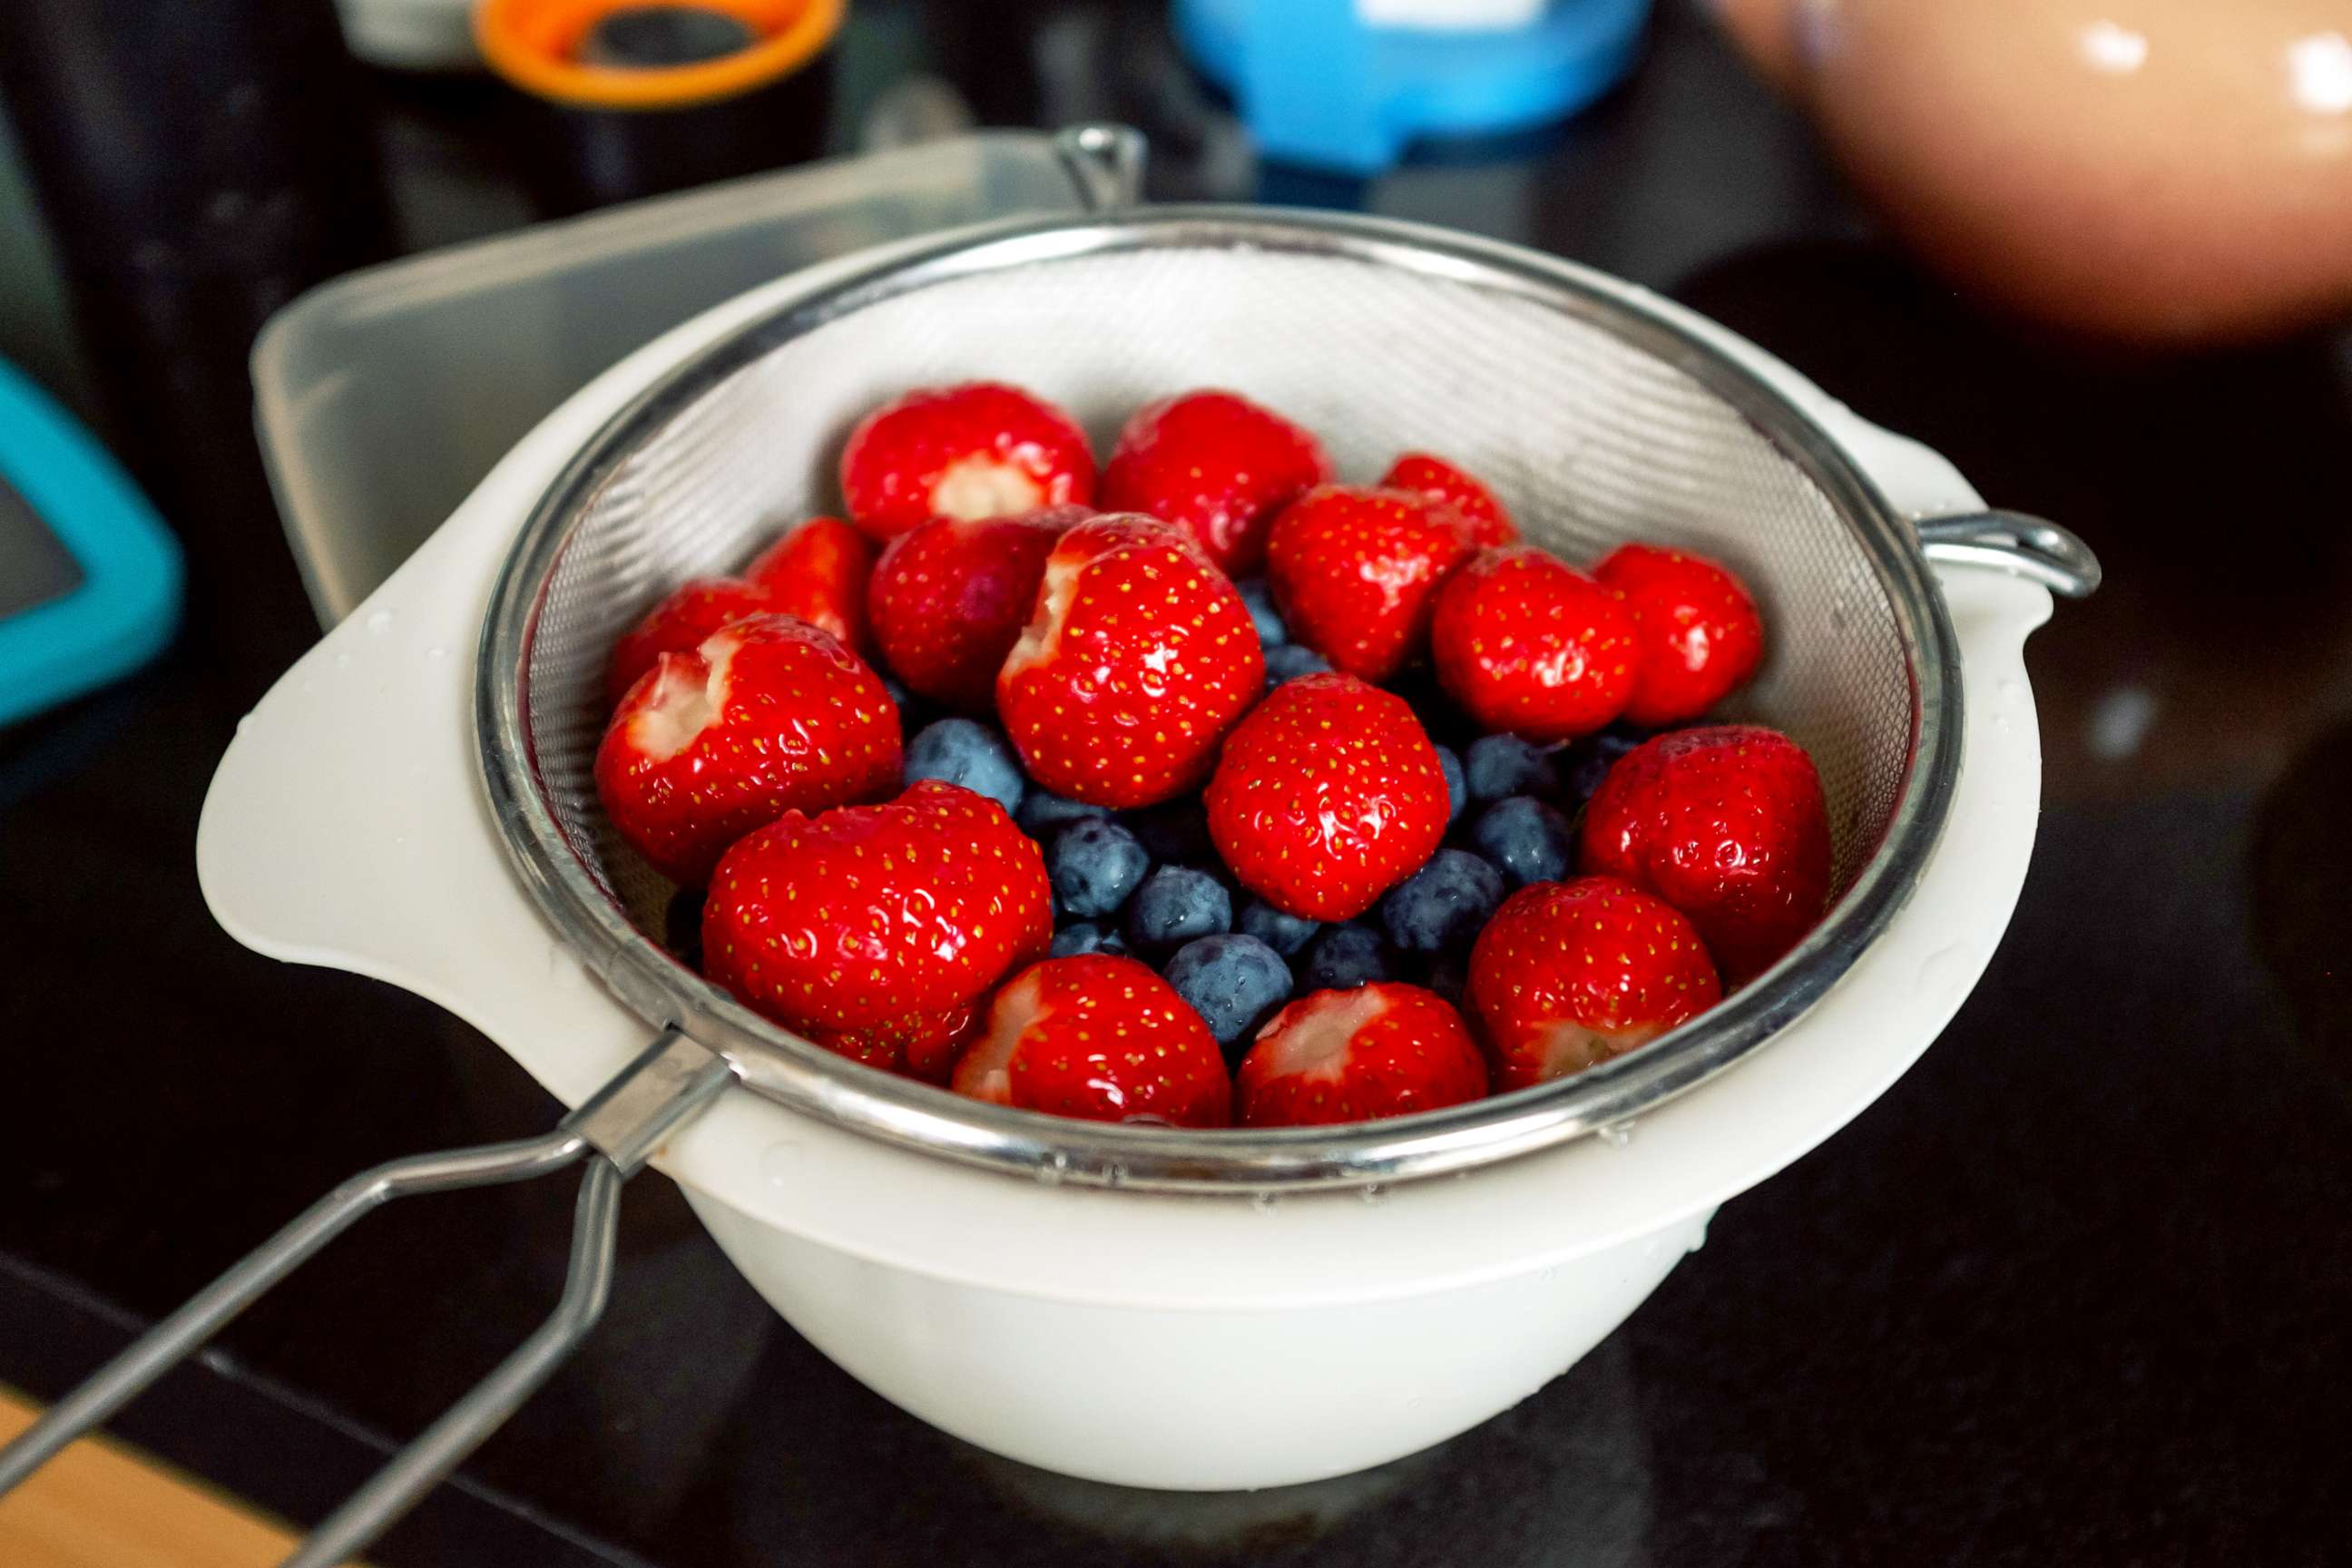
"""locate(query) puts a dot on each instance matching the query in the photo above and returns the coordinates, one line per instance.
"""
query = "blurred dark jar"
(621, 98)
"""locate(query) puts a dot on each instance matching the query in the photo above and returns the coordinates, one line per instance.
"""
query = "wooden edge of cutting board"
(102, 1504)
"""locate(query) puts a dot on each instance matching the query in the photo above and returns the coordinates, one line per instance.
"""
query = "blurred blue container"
(1339, 84)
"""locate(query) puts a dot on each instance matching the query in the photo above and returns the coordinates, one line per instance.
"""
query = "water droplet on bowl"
(437, 652)
(1116, 1176)
(1945, 974)
(1056, 1166)
(1374, 1193)
(1262, 1202)
(380, 622)
(343, 661)
(780, 1164)
(1617, 1134)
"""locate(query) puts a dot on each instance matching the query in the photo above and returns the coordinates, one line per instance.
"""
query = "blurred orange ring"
(530, 43)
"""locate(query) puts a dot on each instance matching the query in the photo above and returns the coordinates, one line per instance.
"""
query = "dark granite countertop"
(2077, 1290)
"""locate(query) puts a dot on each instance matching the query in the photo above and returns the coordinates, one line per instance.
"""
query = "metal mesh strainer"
(1596, 418)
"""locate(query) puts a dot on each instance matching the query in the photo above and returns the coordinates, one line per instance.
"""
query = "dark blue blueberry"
(1457, 788)
(1594, 755)
(1343, 958)
(1175, 833)
(1499, 766)
(913, 711)
(1285, 934)
(1235, 982)
(1176, 904)
(1441, 907)
(1526, 838)
(1290, 661)
(965, 752)
(1042, 815)
(1086, 936)
(1259, 599)
(1094, 865)
(1448, 974)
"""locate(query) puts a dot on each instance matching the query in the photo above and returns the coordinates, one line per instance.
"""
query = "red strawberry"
(817, 571)
(1568, 974)
(951, 595)
(1383, 1049)
(1138, 659)
(1527, 643)
(1326, 796)
(768, 715)
(1355, 569)
(678, 624)
(920, 1044)
(856, 918)
(1488, 522)
(1698, 631)
(1218, 464)
(1102, 1038)
(979, 449)
(1728, 825)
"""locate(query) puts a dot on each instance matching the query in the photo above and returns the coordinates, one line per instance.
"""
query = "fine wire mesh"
(1588, 440)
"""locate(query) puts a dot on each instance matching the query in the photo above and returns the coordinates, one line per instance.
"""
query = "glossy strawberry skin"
(1355, 571)
(856, 918)
(977, 449)
(818, 571)
(1569, 974)
(1383, 1049)
(1326, 796)
(1217, 464)
(1700, 635)
(1727, 824)
(686, 616)
(918, 1045)
(1139, 656)
(949, 598)
(1487, 521)
(1527, 643)
(768, 715)
(1099, 1037)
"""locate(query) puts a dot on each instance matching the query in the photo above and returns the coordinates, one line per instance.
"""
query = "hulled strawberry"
(765, 716)
(979, 449)
(950, 597)
(1487, 521)
(1217, 464)
(1326, 796)
(1527, 643)
(1699, 633)
(817, 571)
(691, 612)
(1568, 974)
(856, 918)
(1383, 1049)
(1728, 825)
(1139, 656)
(919, 1045)
(1355, 570)
(1098, 1037)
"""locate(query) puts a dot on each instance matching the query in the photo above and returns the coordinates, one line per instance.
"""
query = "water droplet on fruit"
(380, 622)
(1617, 1134)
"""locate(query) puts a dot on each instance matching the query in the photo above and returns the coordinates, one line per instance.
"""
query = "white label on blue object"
(1450, 15)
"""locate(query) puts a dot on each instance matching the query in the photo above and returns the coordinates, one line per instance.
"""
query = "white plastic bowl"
(1145, 1338)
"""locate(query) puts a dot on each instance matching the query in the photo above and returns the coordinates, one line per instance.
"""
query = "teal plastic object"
(1316, 85)
(90, 578)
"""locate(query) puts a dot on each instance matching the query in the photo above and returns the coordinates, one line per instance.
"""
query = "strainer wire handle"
(616, 1131)
(2017, 544)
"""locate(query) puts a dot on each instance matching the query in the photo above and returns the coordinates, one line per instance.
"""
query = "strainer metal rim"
(806, 1079)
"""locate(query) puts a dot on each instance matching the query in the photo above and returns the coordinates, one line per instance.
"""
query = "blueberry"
(1094, 865)
(1174, 833)
(1499, 766)
(1526, 838)
(1042, 815)
(913, 711)
(1285, 933)
(1290, 661)
(1440, 908)
(1343, 958)
(1235, 982)
(1457, 788)
(1175, 904)
(964, 751)
(1594, 755)
(1259, 598)
(1086, 936)
(1448, 974)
